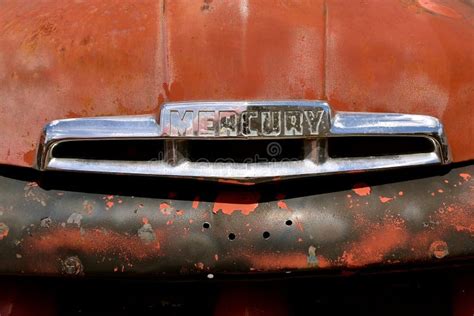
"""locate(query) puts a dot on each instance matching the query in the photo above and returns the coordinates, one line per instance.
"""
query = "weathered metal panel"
(84, 225)
(63, 59)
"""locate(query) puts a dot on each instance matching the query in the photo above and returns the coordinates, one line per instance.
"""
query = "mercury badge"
(259, 120)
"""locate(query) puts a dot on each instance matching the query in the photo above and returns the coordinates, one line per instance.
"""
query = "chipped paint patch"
(385, 199)
(312, 259)
(361, 189)
(75, 219)
(282, 204)
(109, 203)
(146, 233)
(229, 202)
(465, 176)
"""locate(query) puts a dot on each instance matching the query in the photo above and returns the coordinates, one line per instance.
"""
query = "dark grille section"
(118, 150)
(245, 151)
(351, 147)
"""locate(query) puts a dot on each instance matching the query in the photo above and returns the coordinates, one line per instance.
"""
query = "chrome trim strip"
(309, 120)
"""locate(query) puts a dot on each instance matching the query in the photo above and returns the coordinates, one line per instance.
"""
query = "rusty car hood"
(83, 59)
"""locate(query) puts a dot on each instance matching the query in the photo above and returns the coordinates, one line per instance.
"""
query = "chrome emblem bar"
(179, 123)
(243, 120)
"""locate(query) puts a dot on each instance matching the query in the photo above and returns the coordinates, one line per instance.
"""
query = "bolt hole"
(206, 225)
(266, 235)
(231, 236)
(289, 222)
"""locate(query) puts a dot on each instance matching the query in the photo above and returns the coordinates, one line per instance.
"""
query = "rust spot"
(361, 189)
(229, 202)
(439, 249)
(457, 217)
(29, 157)
(165, 208)
(46, 245)
(3, 230)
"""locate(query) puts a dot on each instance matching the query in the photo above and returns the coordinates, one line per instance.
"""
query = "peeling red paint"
(465, 176)
(384, 199)
(361, 189)
(282, 204)
(400, 193)
(229, 202)
(180, 212)
(196, 202)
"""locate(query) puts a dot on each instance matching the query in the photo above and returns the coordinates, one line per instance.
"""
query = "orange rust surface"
(130, 249)
(62, 59)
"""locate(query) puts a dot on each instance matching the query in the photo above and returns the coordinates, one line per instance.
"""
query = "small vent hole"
(289, 222)
(266, 235)
(206, 225)
(231, 236)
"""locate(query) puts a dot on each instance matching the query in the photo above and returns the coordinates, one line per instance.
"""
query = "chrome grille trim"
(321, 124)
